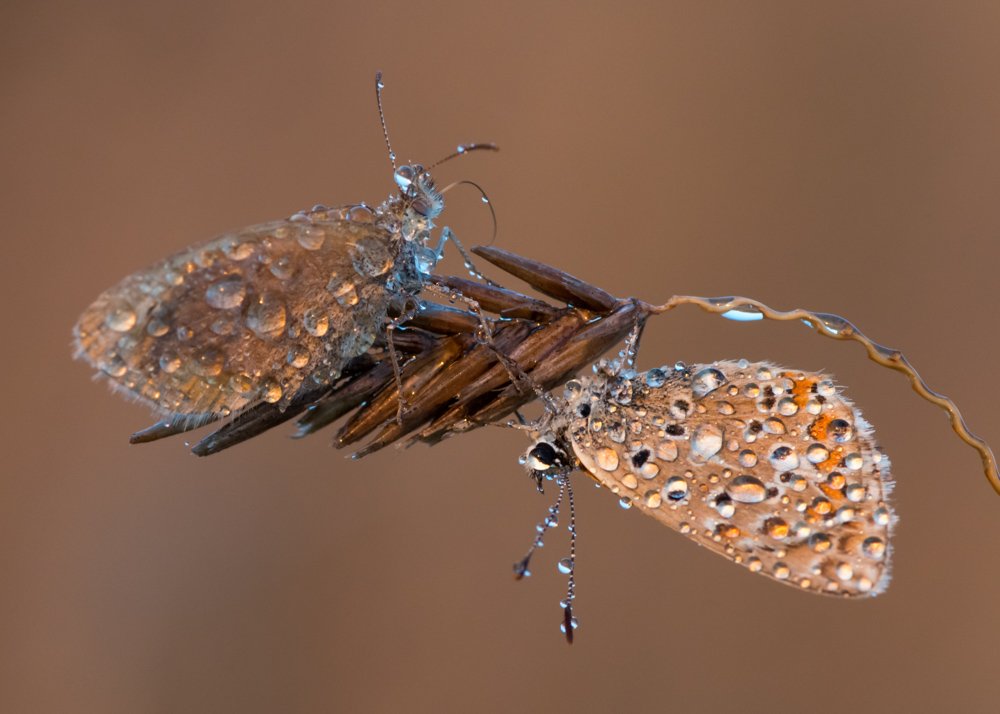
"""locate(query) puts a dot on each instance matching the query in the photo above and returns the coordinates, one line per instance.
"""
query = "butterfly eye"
(542, 456)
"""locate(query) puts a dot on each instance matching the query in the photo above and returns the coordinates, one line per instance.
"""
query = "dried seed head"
(772, 468)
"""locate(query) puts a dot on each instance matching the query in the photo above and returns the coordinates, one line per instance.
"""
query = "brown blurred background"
(840, 158)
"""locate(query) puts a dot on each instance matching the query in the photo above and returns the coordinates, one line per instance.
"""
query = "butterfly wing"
(772, 468)
(246, 317)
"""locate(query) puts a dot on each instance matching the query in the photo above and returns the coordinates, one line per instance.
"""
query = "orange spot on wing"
(802, 390)
(817, 430)
(832, 461)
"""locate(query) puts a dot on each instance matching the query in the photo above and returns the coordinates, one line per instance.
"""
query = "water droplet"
(239, 251)
(607, 459)
(725, 506)
(649, 470)
(747, 459)
(834, 324)
(241, 383)
(315, 321)
(184, 333)
(625, 503)
(854, 461)
(707, 381)
(565, 566)
(744, 313)
(817, 454)
(774, 425)
(283, 268)
(822, 506)
(784, 458)
(271, 391)
(746, 489)
(881, 516)
(312, 238)
(370, 257)
(845, 514)
(873, 547)
(754, 564)
(653, 499)
(345, 294)
(781, 571)
(855, 492)
(820, 542)
(656, 378)
(120, 318)
(676, 489)
(298, 358)
(667, 451)
(787, 407)
(266, 315)
(836, 481)
(360, 214)
(706, 441)
(226, 294)
(170, 362)
(115, 366)
(840, 430)
(208, 362)
(157, 327)
(630, 481)
(223, 327)
(776, 527)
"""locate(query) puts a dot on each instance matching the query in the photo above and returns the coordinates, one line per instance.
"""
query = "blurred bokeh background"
(842, 157)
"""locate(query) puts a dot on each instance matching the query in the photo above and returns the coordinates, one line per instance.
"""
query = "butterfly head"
(418, 190)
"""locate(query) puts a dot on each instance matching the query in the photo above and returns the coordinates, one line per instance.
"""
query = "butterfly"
(773, 468)
(264, 313)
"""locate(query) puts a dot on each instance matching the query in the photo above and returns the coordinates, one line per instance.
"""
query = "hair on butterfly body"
(268, 312)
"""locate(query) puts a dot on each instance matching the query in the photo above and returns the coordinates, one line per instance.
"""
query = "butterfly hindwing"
(770, 467)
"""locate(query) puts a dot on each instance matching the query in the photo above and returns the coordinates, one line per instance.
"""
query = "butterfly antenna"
(462, 150)
(379, 86)
(568, 565)
(489, 204)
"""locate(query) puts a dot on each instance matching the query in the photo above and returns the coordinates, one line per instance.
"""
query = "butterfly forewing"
(773, 468)
(250, 316)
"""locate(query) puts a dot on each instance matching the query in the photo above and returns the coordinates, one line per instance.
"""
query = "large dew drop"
(266, 315)
(746, 489)
(707, 381)
(706, 442)
(226, 294)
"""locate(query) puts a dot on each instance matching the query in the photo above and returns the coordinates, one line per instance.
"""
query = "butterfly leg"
(410, 309)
